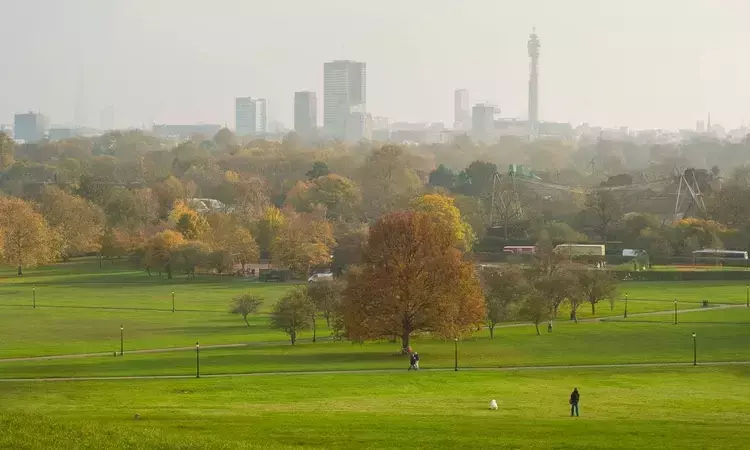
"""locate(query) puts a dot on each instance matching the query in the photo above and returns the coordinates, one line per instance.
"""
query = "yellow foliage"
(442, 208)
(179, 208)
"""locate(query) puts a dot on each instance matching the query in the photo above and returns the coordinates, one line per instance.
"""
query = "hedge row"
(738, 275)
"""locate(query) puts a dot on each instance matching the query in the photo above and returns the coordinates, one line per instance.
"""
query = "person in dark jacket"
(412, 361)
(575, 397)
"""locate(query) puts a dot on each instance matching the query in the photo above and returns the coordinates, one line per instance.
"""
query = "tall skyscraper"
(250, 116)
(305, 113)
(533, 47)
(461, 110)
(345, 99)
(29, 127)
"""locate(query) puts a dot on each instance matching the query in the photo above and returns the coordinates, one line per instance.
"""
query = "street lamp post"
(197, 360)
(455, 360)
(695, 351)
(675, 311)
(626, 305)
(122, 340)
(172, 301)
(33, 297)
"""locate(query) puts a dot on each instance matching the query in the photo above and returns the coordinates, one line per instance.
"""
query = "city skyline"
(679, 65)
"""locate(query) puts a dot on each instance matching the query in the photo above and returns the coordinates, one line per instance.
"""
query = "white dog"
(493, 405)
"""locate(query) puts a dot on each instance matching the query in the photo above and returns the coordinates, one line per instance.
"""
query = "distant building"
(461, 110)
(381, 129)
(29, 127)
(345, 99)
(305, 113)
(250, 116)
(184, 132)
(483, 122)
(700, 127)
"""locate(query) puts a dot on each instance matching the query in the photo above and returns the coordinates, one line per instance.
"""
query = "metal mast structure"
(533, 47)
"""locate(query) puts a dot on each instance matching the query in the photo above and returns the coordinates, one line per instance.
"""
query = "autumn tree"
(27, 239)
(293, 313)
(266, 229)
(339, 195)
(442, 208)
(504, 293)
(7, 150)
(326, 296)
(161, 251)
(189, 256)
(303, 241)
(319, 169)
(220, 260)
(596, 285)
(192, 225)
(606, 211)
(245, 305)
(537, 308)
(388, 180)
(350, 242)
(78, 223)
(412, 278)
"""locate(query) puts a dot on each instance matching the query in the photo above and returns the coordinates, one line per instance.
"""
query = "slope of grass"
(677, 408)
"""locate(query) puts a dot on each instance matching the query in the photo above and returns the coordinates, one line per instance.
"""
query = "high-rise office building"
(461, 110)
(250, 116)
(533, 47)
(345, 99)
(29, 127)
(305, 113)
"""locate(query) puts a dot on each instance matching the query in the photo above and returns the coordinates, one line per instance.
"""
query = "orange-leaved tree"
(412, 278)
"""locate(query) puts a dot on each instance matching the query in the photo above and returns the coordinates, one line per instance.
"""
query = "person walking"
(549, 327)
(412, 361)
(416, 361)
(575, 397)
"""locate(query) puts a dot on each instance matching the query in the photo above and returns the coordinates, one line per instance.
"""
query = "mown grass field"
(625, 408)
(80, 309)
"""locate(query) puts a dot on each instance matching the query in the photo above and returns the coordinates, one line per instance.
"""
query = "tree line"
(306, 205)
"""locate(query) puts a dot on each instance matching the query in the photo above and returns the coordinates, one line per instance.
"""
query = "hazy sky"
(643, 63)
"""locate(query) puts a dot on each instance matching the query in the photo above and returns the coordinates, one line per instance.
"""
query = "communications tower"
(533, 47)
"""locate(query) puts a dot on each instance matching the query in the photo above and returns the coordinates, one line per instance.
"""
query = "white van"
(320, 277)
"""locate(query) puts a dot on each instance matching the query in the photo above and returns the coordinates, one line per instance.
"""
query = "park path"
(327, 338)
(383, 371)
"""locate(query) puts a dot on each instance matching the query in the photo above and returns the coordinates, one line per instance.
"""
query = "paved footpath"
(328, 338)
(381, 371)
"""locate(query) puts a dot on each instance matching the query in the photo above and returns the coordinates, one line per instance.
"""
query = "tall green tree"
(293, 313)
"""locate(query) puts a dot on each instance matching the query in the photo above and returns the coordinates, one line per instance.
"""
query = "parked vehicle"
(571, 250)
(320, 277)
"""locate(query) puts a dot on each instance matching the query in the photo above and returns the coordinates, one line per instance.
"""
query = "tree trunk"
(505, 228)
(492, 330)
(314, 330)
(100, 260)
(574, 316)
(328, 319)
(593, 308)
(20, 270)
(293, 336)
(246, 322)
(405, 340)
(537, 329)
(169, 271)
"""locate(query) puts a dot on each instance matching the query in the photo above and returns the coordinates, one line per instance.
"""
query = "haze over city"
(643, 64)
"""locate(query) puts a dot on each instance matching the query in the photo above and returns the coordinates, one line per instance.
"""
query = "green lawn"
(584, 343)
(80, 308)
(623, 408)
